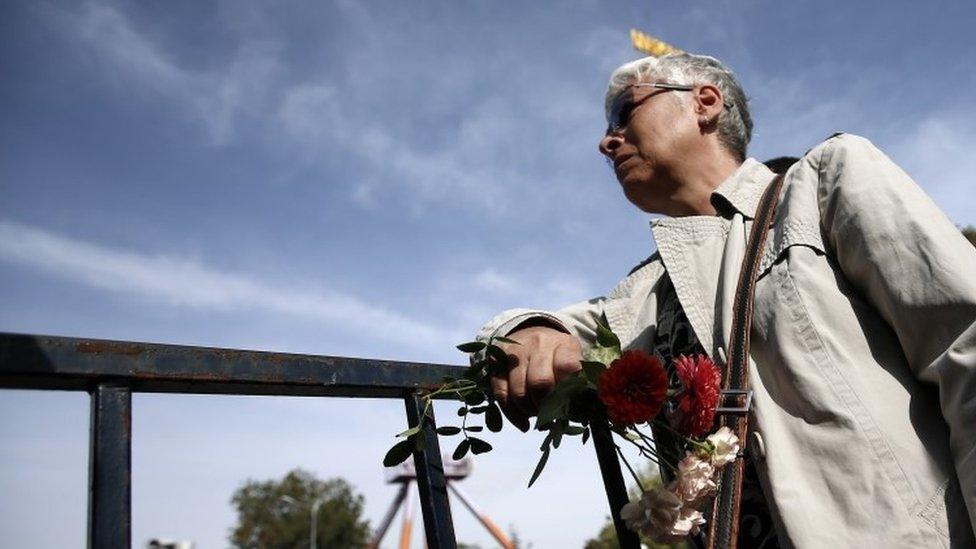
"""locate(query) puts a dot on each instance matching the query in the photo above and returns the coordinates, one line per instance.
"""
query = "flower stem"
(658, 454)
(685, 438)
(646, 452)
(629, 468)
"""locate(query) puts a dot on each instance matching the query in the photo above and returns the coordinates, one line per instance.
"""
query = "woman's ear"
(709, 102)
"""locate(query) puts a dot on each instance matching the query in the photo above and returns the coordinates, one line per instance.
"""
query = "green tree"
(275, 514)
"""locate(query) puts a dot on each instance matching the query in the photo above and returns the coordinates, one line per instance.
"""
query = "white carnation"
(726, 446)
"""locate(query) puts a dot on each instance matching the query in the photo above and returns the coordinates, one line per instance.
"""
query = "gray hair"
(734, 123)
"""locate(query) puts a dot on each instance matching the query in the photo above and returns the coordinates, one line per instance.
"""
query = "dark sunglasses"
(623, 106)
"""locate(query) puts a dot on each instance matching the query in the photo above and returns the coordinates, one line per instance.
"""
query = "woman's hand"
(545, 356)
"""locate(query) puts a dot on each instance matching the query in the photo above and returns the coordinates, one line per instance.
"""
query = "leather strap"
(724, 525)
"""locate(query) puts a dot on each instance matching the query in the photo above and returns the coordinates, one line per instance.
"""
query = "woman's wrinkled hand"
(543, 357)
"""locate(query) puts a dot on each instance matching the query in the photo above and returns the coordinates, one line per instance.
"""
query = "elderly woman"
(863, 361)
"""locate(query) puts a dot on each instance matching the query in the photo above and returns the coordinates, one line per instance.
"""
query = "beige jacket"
(864, 344)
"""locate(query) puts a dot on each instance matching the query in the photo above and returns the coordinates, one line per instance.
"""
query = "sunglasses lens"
(620, 110)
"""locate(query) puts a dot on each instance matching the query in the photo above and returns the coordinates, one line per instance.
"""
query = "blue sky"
(373, 180)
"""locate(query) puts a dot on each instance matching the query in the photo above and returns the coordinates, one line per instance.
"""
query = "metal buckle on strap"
(726, 406)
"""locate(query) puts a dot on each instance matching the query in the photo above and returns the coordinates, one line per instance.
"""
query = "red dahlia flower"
(701, 386)
(633, 388)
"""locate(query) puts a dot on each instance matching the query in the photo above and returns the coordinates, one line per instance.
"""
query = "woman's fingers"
(544, 356)
(566, 358)
(501, 389)
(539, 380)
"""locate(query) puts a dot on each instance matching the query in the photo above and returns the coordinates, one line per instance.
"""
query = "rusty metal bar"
(113, 370)
(434, 501)
(47, 362)
(613, 481)
(110, 467)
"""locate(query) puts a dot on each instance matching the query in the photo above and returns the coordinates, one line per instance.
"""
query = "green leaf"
(552, 408)
(479, 446)
(505, 340)
(475, 371)
(474, 428)
(539, 466)
(399, 453)
(604, 335)
(474, 398)
(607, 347)
(479, 409)
(462, 411)
(472, 346)
(556, 404)
(498, 355)
(586, 436)
(574, 430)
(604, 355)
(558, 428)
(586, 406)
(448, 430)
(493, 418)
(545, 442)
(461, 450)
(448, 379)
(409, 432)
(592, 370)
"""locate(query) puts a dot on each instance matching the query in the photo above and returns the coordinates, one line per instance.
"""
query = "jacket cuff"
(506, 322)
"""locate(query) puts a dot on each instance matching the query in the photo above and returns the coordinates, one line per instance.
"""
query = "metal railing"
(112, 370)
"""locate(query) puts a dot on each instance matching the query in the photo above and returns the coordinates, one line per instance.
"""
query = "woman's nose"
(610, 143)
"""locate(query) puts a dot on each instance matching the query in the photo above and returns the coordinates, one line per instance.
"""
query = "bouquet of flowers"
(632, 393)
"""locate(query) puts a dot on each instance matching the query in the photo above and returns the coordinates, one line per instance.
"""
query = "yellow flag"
(651, 45)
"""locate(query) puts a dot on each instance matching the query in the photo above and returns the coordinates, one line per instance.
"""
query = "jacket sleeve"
(915, 267)
(578, 319)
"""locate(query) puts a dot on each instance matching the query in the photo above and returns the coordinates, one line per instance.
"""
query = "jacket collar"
(742, 190)
(699, 250)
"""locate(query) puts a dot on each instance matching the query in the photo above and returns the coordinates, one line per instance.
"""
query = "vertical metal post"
(430, 480)
(613, 481)
(110, 468)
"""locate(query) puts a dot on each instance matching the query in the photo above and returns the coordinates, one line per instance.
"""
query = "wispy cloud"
(604, 44)
(183, 282)
(466, 168)
(551, 291)
(937, 152)
(214, 98)
(480, 153)
(473, 297)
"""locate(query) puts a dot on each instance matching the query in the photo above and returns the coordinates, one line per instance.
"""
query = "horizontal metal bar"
(50, 362)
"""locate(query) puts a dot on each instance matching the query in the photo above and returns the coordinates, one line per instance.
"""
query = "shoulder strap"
(724, 527)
